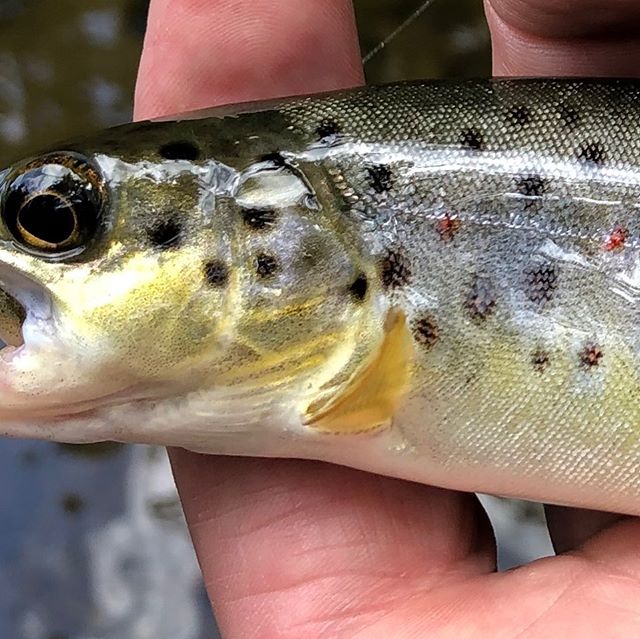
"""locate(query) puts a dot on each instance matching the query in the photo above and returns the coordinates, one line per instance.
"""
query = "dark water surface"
(92, 542)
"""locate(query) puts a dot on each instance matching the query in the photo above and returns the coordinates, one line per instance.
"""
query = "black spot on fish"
(180, 150)
(591, 152)
(266, 265)
(541, 282)
(216, 273)
(259, 219)
(395, 270)
(379, 177)
(531, 185)
(72, 503)
(472, 139)
(591, 355)
(167, 234)
(327, 130)
(519, 116)
(569, 116)
(540, 361)
(359, 287)
(481, 300)
(275, 158)
(426, 331)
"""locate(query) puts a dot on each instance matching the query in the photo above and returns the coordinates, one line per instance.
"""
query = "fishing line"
(414, 16)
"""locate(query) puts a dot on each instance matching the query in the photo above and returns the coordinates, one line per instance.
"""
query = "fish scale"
(438, 281)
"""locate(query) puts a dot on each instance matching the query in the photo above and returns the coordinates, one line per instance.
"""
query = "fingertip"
(550, 38)
(199, 54)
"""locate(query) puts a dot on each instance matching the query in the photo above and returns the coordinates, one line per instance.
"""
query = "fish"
(436, 281)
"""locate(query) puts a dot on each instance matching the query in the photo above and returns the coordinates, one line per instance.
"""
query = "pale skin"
(294, 549)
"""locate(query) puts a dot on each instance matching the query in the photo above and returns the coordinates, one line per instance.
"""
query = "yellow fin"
(373, 395)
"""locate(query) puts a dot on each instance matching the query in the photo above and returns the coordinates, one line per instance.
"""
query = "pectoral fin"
(373, 394)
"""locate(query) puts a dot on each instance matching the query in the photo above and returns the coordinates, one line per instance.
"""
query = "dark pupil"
(48, 218)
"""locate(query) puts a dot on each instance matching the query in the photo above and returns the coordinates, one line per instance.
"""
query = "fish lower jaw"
(46, 377)
(37, 344)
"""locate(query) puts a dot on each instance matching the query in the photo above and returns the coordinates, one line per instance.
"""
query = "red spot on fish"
(591, 355)
(447, 227)
(616, 239)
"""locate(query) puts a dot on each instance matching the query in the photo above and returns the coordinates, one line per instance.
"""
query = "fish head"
(88, 268)
(155, 276)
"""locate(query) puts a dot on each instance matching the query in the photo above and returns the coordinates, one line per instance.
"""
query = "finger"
(198, 53)
(564, 37)
(571, 19)
(291, 548)
(570, 528)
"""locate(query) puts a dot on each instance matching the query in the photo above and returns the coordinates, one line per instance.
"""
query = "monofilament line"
(414, 16)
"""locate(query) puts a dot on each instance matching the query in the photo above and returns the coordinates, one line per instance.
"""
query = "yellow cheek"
(155, 310)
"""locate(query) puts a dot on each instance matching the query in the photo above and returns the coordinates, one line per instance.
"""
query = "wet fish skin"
(436, 281)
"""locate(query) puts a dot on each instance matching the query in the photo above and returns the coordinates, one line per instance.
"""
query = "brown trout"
(434, 281)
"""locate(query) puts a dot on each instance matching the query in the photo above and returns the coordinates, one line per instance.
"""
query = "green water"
(449, 40)
(67, 67)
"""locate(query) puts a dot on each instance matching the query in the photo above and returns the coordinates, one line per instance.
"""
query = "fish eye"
(53, 205)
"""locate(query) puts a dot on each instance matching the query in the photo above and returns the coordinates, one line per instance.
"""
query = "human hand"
(295, 549)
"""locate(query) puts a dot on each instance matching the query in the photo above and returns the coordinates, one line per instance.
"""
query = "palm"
(301, 549)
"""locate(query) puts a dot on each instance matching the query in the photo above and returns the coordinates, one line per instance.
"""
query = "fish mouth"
(44, 376)
(12, 318)
(25, 308)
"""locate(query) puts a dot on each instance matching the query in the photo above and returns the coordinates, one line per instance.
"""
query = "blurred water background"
(92, 540)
